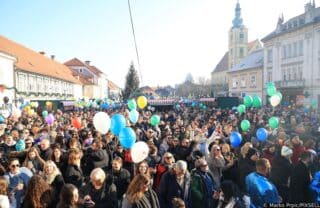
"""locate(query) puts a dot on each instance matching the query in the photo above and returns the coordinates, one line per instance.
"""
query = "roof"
(293, 24)
(77, 62)
(34, 62)
(251, 61)
(112, 86)
(252, 44)
(223, 63)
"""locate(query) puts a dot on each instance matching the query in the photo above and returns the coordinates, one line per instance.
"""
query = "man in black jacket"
(300, 180)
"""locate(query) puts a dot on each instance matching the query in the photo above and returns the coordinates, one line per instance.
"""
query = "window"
(243, 82)
(46, 85)
(39, 84)
(284, 52)
(80, 70)
(241, 52)
(289, 74)
(234, 83)
(295, 49)
(300, 72)
(301, 48)
(294, 73)
(241, 35)
(21, 82)
(269, 56)
(32, 83)
(253, 82)
(269, 76)
(289, 51)
(284, 76)
(231, 52)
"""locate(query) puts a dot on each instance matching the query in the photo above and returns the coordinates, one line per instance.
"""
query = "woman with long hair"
(38, 193)
(53, 177)
(139, 194)
(69, 197)
(74, 174)
(58, 157)
(33, 161)
(4, 199)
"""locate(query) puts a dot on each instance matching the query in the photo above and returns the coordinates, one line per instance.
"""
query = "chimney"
(52, 57)
(87, 62)
(42, 52)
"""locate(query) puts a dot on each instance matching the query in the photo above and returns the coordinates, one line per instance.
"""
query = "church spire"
(237, 21)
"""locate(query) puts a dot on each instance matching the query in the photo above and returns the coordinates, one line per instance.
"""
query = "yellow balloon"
(142, 102)
(48, 103)
(27, 108)
(31, 112)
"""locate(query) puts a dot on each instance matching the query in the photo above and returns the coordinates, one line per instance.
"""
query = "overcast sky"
(174, 37)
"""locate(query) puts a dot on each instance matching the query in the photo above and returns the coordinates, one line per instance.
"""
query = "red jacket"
(297, 150)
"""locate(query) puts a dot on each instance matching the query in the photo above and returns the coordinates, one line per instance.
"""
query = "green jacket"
(198, 191)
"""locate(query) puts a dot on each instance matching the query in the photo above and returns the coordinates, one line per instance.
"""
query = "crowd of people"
(191, 162)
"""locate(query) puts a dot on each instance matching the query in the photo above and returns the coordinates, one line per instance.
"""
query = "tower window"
(241, 35)
(241, 52)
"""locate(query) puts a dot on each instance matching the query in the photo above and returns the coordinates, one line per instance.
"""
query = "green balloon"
(245, 125)
(279, 94)
(273, 122)
(241, 108)
(270, 84)
(247, 101)
(44, 113)
(132, 105)
(155, 120)
(256, 101)
(271, 90)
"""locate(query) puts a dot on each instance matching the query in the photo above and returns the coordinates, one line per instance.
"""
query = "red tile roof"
(112, 86)
(223, 63)
(251, 44)
(77, 62)
(31, 61)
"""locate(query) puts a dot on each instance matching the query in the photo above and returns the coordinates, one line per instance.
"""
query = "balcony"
(290, 83)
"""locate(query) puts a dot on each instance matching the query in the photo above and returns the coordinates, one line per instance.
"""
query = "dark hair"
(66, 195)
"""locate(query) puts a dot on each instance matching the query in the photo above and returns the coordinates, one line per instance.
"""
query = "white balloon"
(101, 122)
(275, 100)
(16, 112)
(36, 104)
(5, 113)
(139, 152)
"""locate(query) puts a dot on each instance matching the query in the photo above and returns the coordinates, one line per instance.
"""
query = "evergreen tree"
(132, 82)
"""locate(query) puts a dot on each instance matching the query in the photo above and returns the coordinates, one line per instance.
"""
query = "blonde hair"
(134, 192)
(74, 155)
(50, 178)
(3, 186)
(245, 148)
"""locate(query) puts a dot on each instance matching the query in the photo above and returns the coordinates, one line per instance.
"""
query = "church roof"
(293, 24)
(223, 63)
(253, 60)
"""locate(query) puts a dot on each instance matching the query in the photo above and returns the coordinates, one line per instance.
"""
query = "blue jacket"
(315, 187)
(261, 190)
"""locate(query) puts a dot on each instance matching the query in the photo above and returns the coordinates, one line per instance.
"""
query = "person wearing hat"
(280, 172)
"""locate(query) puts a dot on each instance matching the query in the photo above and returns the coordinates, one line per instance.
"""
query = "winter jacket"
(315, 188)
(95, 159)
(261, 190)
(74, 175)
(200, 196)
(216, 165)
(299, 184)
(246, 166)
(161, 169)
(297, 150)
(149, 200)
(121, 180)
(169, 189)
(106, 197)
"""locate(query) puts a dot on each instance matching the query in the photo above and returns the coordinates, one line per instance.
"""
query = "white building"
(36, 77)
(6, 76)
(292, 57)
(94, 81)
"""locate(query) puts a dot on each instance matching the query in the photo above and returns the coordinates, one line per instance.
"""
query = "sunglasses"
(15, 165)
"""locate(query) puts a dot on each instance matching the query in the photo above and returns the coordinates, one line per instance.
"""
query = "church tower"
(238, 39)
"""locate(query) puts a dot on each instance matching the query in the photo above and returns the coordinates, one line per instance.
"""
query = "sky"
(174, 37)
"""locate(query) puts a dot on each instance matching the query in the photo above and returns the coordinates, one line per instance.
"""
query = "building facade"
(7, 62)
(37, 77)
(94, 81)
(292, 57)
(246, 77)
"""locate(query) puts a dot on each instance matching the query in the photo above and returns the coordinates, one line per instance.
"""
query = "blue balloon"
(127, 137)
(118, 122)
(1, 119)
(104, 106)
(20, 145)
(134, 116)
(235, 139)
(262, 134)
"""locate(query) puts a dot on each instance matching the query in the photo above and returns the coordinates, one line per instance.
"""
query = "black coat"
(106, 197)
(56, 186)
(95, 159)
(46, 154)
(246, 166)
(299, 184)
(121, 180)
(280, 173)
(74, 175)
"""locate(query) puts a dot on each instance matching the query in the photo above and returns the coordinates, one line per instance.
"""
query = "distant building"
(35, 76)
(114, 91)
(94, 81)
(246, 77)
(238, 48)
(7, 62)
(292, 56)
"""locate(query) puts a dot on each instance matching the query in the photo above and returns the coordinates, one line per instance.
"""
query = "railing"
(290, 83)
